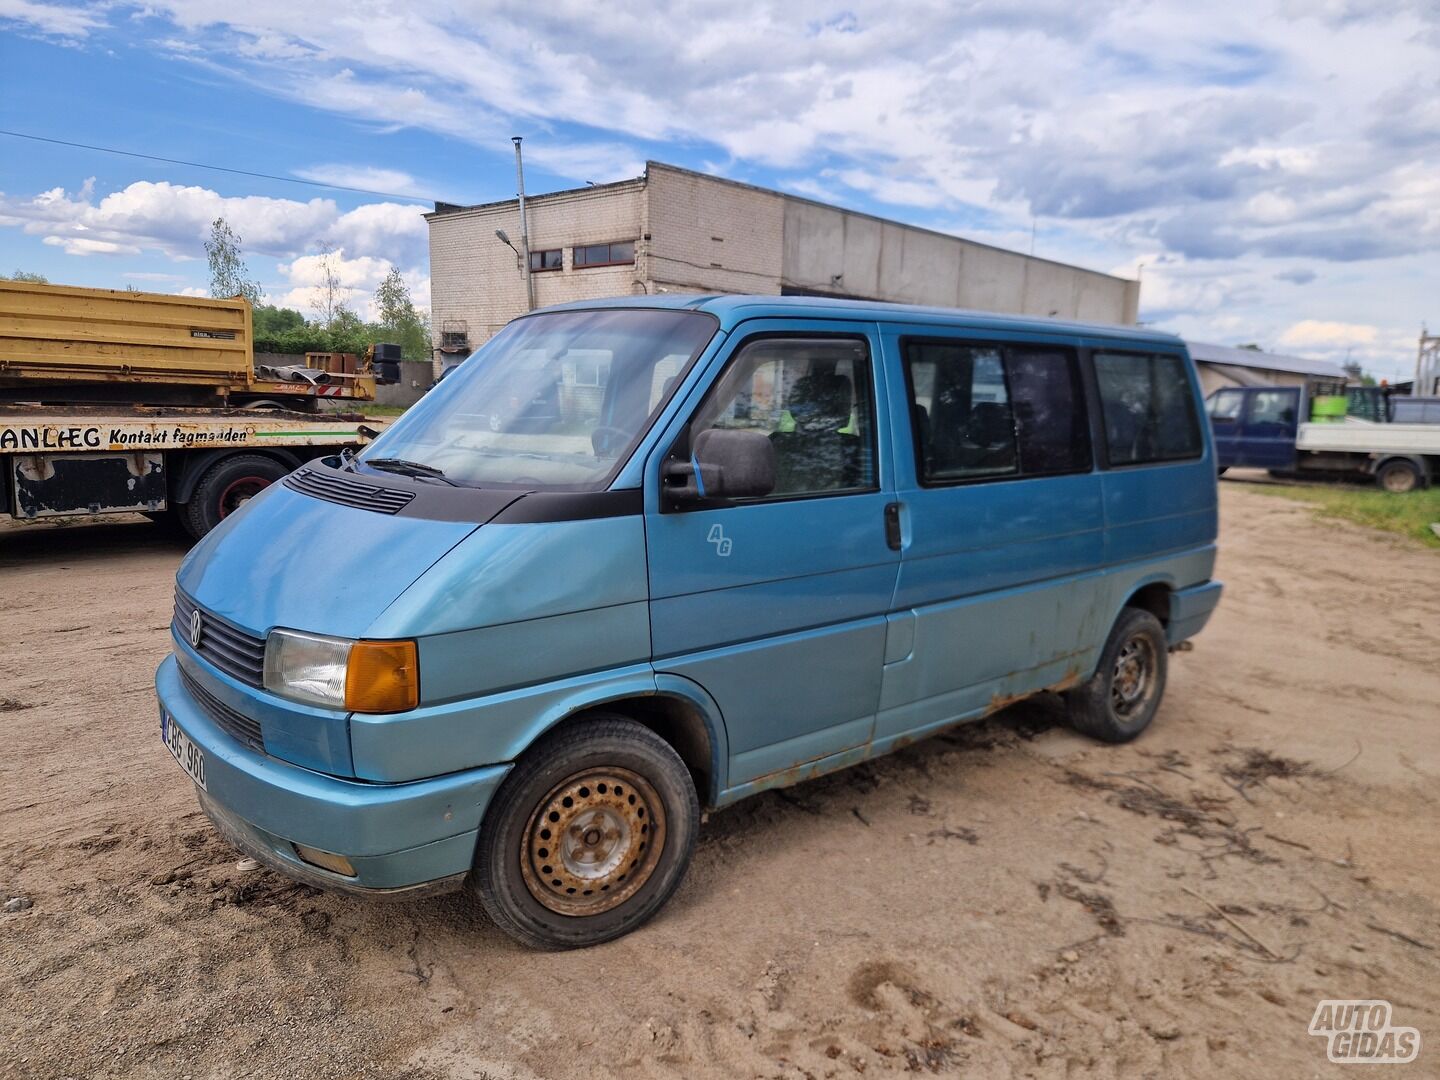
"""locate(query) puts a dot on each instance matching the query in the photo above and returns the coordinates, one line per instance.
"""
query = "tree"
(26, 276)
(228, 274)
(330, 295)
(400, 322)
(270, 321)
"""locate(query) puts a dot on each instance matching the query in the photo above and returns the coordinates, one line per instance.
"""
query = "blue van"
(760, 539)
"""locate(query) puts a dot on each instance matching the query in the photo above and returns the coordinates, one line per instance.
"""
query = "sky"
(1270, 169)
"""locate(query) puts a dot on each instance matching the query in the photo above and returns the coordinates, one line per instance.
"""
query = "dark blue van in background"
(523, 638)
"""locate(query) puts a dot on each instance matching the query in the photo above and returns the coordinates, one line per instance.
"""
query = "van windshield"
(554, 401)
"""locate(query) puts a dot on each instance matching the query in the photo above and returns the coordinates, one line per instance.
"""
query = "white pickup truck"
(1261, 427)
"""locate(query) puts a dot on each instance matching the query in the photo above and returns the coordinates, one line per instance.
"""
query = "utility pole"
(524, 231)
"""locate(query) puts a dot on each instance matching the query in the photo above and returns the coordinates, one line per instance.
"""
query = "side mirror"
(731, 465)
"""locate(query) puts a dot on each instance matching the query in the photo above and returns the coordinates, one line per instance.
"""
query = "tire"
(622, 785)
(225, 486)
(1398, 477)
(1120, 700)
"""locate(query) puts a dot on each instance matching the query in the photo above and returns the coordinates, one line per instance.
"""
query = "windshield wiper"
(409, 468)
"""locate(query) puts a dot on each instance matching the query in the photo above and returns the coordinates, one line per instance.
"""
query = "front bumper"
(417, 836)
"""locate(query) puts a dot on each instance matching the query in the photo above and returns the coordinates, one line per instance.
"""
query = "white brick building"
(673, 230)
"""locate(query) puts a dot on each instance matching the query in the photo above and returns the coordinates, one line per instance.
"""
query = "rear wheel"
(1120, 700)
(226, 486)
(1398, 477)
(588, 837)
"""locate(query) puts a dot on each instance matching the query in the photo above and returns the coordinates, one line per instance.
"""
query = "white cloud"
(174, 220)
(368, 177)
(51, 20)
(1313, 333)
(356, 278)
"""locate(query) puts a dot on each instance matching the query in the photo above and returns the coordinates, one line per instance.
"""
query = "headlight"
(360, 676)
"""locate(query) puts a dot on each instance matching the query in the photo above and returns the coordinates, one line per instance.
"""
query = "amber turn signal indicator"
(382, 677)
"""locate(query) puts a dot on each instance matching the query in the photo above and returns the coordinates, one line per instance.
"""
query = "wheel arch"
(186, 472)
(1152, 596)
(1419, 462)
(681, 713)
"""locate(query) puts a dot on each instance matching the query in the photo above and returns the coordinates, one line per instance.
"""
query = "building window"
(550, 259)
(621, 253)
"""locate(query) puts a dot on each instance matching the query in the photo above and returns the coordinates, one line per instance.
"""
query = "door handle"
(892, 525)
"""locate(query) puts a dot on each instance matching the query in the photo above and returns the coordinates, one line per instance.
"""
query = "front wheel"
(588, 837)
(1121, 698)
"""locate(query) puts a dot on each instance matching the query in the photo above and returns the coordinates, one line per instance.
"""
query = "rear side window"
(1148, 408)
(1049, 418)
(987, 411)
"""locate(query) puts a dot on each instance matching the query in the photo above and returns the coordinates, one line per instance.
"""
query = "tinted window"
(983, 411)
(1148, 407)
(1226, 405)
(551, 259)
(1049, 417)
(960, 409)
(814, 399)
(1273, 407)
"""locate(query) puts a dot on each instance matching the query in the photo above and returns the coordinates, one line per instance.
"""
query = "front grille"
(233, 723)
(235, 652)
(348, 492)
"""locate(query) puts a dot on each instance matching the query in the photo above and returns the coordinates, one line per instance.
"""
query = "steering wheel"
(604, 439)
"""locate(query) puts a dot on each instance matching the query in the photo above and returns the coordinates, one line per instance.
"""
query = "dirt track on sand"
(1007, 900)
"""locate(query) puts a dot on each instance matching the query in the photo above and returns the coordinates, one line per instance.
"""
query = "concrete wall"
(827, 249)
(474, 277)
(709, 235)
(697, 233)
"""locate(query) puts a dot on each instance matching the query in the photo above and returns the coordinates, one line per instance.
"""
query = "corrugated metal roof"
(1249, 358)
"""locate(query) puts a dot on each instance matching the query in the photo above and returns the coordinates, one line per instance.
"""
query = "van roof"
(730, 309)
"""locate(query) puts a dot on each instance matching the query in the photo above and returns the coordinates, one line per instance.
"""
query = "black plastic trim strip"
(548, 506)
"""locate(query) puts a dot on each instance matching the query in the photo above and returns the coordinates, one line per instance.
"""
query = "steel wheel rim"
(239, 492)
(593, 841)
(1398, 481)
(1132, 683)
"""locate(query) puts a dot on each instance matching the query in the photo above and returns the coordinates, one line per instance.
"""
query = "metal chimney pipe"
(524, 230)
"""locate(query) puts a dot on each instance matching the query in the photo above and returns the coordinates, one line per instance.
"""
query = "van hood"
(293, 560)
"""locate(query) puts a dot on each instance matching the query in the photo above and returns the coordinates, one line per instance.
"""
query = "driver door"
(776, 605)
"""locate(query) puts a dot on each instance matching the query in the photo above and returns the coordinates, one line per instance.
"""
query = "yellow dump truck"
(115, 401)
(103, 345)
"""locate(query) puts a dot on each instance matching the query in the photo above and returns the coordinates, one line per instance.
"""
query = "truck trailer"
(114, 401)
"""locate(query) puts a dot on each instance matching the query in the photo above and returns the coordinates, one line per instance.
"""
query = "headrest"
(821, 402)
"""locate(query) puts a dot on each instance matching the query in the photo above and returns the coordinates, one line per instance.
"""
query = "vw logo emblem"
(196, 627)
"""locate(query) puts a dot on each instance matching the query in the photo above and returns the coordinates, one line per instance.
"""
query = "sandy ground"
(1004, 901)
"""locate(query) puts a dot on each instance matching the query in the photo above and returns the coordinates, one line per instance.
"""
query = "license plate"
(190, 756)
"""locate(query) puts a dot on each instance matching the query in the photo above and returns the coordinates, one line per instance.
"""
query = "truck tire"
(226, 486)
(1121, 698)
(588, 836)
(1398, 477)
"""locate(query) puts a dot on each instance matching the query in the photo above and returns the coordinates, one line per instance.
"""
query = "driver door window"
(814, 399)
